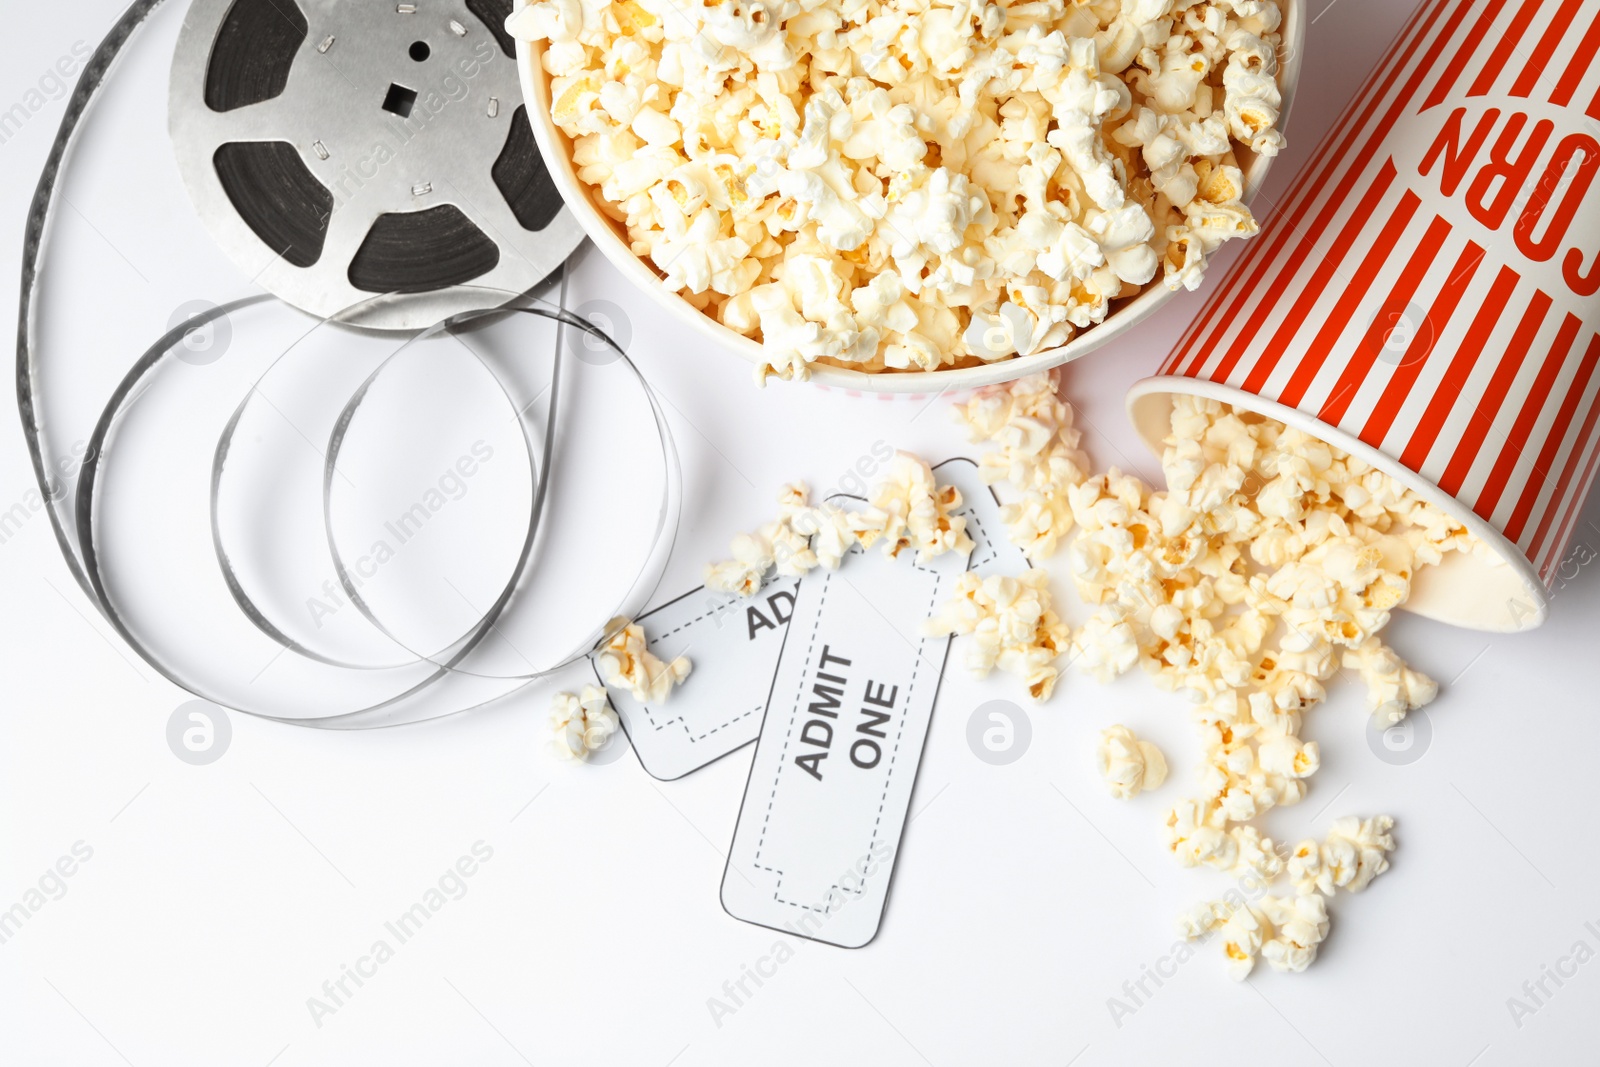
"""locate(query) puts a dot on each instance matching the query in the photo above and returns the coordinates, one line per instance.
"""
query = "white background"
(220, 898)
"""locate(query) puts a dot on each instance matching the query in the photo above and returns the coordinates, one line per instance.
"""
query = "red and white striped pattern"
(1496, 396)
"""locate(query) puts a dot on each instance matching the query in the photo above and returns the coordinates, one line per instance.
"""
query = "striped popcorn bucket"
(1424, 297)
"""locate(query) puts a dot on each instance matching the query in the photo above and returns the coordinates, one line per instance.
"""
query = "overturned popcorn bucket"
(1424, 297)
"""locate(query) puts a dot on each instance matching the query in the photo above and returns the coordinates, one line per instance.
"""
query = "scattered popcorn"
(1288, 756)
(1271, 561)
(1129, 765)
(1037, 453)
(625, 662)
(1284, 931)
(1356, 852)
(1257, 853)
(1243, 933)
(907, 510)
(582, 723)
(1012, 627)
(1200, 920)
(753, 557)
(1393, 689)
(784, 544)
(1107, 647)
(1299, 924)
(1305, 870)
(914, 184)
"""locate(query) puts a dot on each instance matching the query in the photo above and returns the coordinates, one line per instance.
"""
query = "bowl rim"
(582, 201)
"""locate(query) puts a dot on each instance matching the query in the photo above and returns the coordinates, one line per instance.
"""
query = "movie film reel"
(222, 494)
(338, 152)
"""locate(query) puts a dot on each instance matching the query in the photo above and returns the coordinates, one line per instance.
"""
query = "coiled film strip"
(190, 645)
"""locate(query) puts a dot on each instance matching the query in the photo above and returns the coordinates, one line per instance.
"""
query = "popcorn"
(1355, 852)
(907, 510)
(1393, 689)
(1128, 764)
(1306, 872)
(742, 575)
(1289, 756)
(1300, 925)
(1200, 920)
(1124, 235)
(1252, 99)
(1243, 934)
(1012, 627)
(1107, 646)
(1013, 169)
(1183, 263)
(783, 545)
(1257, 853)
(1284, 931)
(625, 662)
(1270, 561)
(831, 534)
(582, 724)
(1038, 453)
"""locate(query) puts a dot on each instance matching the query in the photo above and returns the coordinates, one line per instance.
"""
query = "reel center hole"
(400, 100)
(420, 51)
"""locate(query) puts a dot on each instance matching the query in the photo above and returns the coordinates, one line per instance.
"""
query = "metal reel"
(340, 151)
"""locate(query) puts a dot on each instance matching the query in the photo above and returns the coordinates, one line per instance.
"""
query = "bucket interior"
(1502, 594)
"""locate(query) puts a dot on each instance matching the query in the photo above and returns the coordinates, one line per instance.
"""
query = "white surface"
(218, 899)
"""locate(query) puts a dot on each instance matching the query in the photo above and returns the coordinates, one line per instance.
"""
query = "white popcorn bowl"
(1384, 316)
(609, 236)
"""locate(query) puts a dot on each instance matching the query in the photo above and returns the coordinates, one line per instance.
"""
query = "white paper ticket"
(733, 643)
(831, 780)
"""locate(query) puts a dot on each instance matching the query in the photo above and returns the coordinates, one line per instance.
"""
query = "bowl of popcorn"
(902, 196)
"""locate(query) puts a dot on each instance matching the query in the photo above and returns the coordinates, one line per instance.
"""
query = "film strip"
(391, 330)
